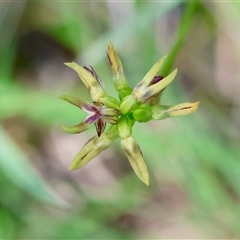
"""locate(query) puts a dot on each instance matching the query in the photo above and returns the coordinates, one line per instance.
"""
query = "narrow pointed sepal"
(87, 153)
(93, 147)
(86, 107)
(117, 69)
(162, 111)
(75, 129)
(84, 125)
(135, 157)
(92, 84)
(114, 60)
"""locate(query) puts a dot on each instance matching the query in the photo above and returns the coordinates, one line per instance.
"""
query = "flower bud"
(117, 69)
(162, 111)
(110, 102)
(143, 113)
(93, 147)
(135, 157)
(127, 104)
(124, 126)
(110, 115)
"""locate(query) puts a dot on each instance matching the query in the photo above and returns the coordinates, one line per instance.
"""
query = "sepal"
(84, 125)
(93, 85)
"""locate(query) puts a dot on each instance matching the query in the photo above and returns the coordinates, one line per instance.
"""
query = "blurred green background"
(194, 161)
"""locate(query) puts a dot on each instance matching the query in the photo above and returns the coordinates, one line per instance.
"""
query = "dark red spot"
(155, 80)
(91, 70)
(109, 60)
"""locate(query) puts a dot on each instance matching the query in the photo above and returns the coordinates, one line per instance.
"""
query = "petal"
(93, 147)
(109, 115)
(149, 76)
(135, 157)
(110, 119)
(153, 90)
(109, 112)
(100, 125)
(86, 107)
(94, 75)
(91, 83)
(81, 126)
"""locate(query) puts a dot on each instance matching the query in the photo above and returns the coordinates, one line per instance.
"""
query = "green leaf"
(16, 167)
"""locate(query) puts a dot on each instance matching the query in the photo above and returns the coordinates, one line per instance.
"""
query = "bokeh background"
(194, 161)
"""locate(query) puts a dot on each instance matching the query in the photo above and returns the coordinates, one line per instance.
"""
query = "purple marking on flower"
(92, 118)
(90, 108)
(109, 60)
(155, 80)
(146, 96)
(94, 75)
(100, 126)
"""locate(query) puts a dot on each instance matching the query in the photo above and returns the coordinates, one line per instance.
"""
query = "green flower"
(133, 105)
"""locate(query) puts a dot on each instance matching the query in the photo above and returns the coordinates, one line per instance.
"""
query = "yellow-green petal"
(149, 76)
(154, 89)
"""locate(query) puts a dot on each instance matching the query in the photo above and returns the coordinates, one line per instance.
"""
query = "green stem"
(185, 24)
